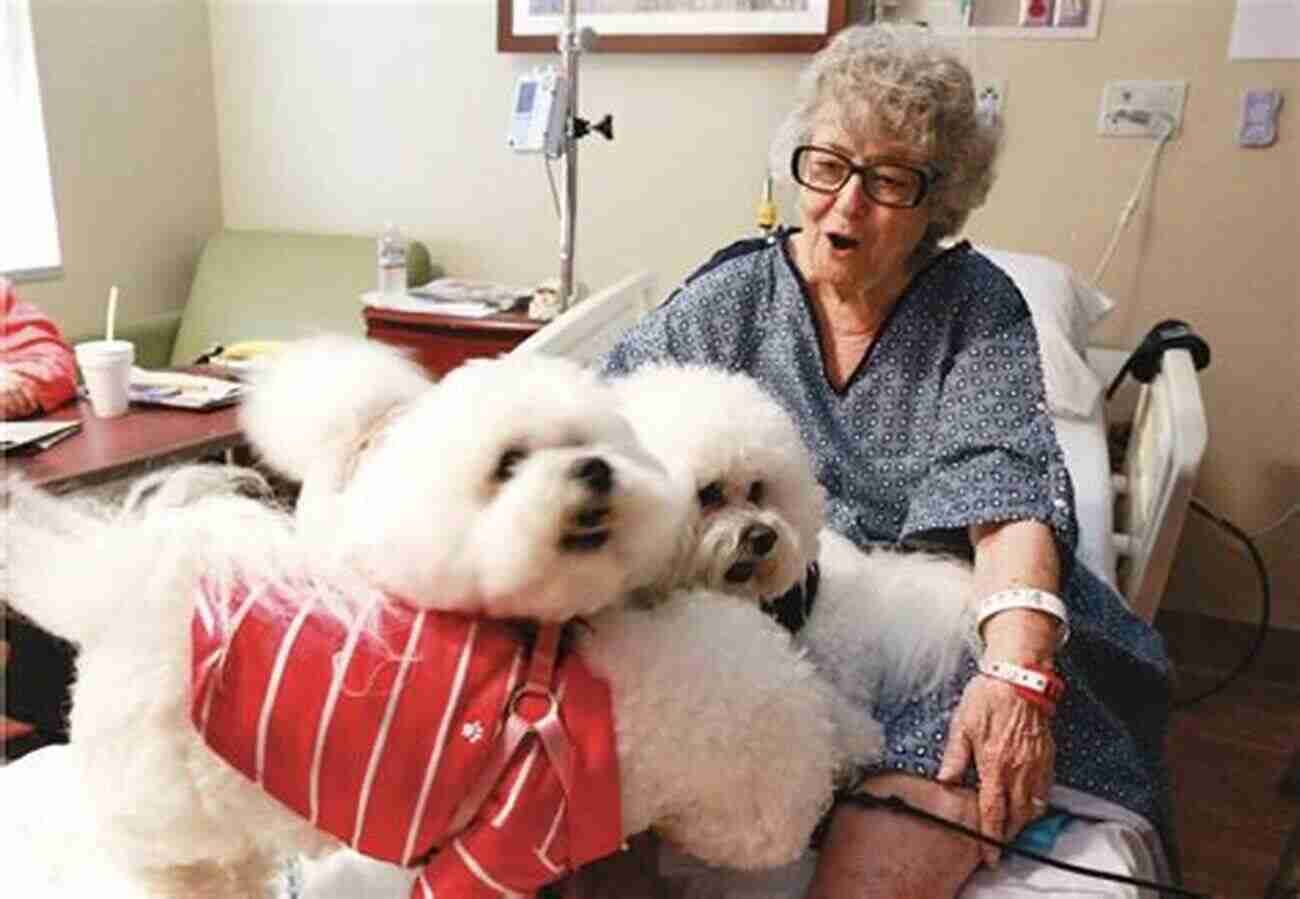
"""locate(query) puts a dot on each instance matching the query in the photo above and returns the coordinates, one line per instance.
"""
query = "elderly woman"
(913, 372)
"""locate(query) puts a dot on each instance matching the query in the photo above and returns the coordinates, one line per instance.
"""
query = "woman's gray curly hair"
(898, 83)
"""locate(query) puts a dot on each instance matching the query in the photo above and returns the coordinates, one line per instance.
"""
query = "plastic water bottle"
(392, 261)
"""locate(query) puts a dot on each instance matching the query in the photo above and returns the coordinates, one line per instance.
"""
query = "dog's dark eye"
(506, 464)
(756, 492)
(710, 495)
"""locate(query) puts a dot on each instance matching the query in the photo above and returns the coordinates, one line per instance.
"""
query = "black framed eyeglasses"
(888, 182)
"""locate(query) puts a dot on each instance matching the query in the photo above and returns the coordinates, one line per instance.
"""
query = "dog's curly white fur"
(467, 500)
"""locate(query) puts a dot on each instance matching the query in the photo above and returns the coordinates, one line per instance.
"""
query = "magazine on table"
(36, 435)
(182, 390)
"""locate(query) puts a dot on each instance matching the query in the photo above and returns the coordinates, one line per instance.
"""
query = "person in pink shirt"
(38, 372)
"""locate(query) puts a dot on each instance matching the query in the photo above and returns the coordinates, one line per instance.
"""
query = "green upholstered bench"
(267, 285)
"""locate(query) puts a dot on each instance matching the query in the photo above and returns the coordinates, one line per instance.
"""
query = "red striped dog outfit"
(376, 738)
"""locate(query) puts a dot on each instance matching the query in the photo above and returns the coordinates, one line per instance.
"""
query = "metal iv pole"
(572, 43)
(570, 50)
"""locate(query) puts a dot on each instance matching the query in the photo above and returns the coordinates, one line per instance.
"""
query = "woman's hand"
(16, 398)
(1007, 737)
(1010, 742)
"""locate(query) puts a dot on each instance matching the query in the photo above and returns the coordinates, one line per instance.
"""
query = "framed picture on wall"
(657, 26)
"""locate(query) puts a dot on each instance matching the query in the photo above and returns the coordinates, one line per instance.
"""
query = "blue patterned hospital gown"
(943, 425)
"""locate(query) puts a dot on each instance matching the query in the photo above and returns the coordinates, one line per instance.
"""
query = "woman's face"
(849, 241)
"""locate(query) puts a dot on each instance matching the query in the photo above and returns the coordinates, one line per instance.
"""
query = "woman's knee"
(874, 853)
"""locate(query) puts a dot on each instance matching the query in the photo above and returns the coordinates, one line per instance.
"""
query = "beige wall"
(127, 93)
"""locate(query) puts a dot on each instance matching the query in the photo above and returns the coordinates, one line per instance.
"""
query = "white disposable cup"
(106, 370)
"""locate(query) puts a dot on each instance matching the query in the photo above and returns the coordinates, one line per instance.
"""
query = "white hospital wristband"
(1022, 598)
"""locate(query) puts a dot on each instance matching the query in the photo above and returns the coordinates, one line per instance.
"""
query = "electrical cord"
(1266, 606)
(896, 804)
(1166, 125)
(1285, 517)
(550, 179)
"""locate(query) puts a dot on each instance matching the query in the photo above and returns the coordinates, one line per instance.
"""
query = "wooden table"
(442, 342)
(108, 449)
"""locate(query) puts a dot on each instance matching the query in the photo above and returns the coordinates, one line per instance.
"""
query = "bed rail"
(591, 327)
(1154, 487)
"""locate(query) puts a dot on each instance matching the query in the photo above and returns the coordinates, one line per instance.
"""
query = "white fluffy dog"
(883, 624)
(513, 489)
(758, 506)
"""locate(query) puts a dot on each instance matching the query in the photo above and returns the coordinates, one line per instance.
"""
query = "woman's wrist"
(1021, 636)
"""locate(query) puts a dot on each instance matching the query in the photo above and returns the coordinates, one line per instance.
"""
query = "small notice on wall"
(1265, 29)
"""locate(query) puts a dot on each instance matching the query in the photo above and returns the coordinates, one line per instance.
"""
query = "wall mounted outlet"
(1140, 108)
(991, 99)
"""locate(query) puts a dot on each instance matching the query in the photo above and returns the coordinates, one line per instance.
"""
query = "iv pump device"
(538, 113)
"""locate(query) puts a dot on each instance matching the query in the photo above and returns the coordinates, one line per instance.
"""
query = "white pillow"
(1064, 309)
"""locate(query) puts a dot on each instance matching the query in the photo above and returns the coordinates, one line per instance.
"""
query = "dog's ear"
(318, 399)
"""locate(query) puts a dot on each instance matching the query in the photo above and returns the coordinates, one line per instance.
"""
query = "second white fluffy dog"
(882, 622)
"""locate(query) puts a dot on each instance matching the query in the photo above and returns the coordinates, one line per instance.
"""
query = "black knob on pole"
(581, 127)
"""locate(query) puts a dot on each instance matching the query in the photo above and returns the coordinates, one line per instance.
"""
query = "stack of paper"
(461, 290)
(182, 390)
(35, 435)
(404, 302)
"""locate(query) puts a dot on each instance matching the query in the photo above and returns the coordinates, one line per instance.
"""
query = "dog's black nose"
(596, 472)
(760, 538)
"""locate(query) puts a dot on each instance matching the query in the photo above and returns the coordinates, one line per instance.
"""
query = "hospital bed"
(1129, 520)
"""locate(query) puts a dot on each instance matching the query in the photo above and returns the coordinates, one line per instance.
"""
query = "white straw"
(112, 311)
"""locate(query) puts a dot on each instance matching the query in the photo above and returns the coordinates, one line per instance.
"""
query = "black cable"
(896, 804)
(1265, 602)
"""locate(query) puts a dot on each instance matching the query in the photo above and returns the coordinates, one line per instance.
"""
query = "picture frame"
(777, 26)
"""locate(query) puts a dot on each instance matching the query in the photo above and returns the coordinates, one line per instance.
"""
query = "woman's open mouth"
(843, 241)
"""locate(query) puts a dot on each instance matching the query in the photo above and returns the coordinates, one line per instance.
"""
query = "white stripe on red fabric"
(342, 660)
(425, 889)
(517, 787)
(544, 851)
(513, 681)
(435, 756)
(220, 654)
(273, 687)
(478, 871)
(372, 767)
(204, 608)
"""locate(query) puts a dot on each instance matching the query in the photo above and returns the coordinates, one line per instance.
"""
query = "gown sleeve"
(994, 456)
